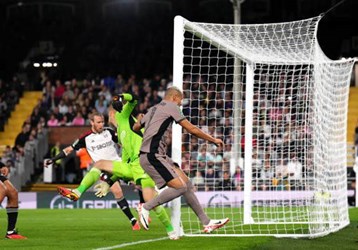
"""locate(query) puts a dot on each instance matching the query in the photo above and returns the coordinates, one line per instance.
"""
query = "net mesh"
(299, 107)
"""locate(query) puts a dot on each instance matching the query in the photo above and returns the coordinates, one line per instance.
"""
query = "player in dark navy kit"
(9, 191)
(153, 159)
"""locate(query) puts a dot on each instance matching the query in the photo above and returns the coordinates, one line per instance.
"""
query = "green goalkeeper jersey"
(130, 140)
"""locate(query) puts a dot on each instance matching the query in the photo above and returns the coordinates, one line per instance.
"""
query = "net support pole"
(237, 118)
(249, 94)
(178, 64)
(237, 95)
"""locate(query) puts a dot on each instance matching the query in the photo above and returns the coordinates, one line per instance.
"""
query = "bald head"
(174, 94)
(173, 91)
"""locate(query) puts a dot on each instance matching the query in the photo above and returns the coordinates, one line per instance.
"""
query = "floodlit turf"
(108, 229)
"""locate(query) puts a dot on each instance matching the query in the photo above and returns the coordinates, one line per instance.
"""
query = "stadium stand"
(63, 101)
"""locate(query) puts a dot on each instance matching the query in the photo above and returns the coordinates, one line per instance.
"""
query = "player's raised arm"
(111, 116)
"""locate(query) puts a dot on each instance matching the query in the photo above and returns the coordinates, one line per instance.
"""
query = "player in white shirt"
(101, 143)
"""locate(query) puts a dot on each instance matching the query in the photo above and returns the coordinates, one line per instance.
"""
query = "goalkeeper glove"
(117, 103)
(102, 189)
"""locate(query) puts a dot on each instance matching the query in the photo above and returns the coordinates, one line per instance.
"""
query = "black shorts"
(2, 178)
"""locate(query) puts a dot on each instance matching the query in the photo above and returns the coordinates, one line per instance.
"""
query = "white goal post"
(282, 113)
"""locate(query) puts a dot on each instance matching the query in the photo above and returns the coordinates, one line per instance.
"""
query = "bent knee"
(98, 163)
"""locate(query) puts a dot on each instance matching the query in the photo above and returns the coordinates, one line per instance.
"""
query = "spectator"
(210, 174)
(237, 178)
(198, 180)
(52, 122)
(155, 98)
(226, 184)
(22, 138)
(3, 106)
(294, 168)
(204, 158)
(281, 173)
(62, 107)
(101, 105)
(267, 174)
(56, 112)
(217, 157)
(78, 120)
(68, 94)
(106, 94)
(35, 117)
(8, 154)
(210, 179)
(70, 114)
(110, 83)
(59, 90)
(58, 167)
(65, 122)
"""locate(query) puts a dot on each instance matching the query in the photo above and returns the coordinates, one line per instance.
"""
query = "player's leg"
(88, 180)
(172, 192)
(193, 202)
(11, 209)
(161, 171)
(2, 190)
(148, 194)
(123, 204)
(122, 170)
(148, 190)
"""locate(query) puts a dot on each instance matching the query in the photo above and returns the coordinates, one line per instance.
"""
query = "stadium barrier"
(33, 200)
(26, 165)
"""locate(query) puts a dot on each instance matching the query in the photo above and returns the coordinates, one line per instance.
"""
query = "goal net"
(280, 106)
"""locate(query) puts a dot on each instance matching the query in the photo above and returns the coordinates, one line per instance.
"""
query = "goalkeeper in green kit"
(129, 168)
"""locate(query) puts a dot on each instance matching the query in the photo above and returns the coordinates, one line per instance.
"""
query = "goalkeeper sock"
(193, 202)
(164, 218)
(165, 196)
(12, 213)
(90, 178)
(123, 204)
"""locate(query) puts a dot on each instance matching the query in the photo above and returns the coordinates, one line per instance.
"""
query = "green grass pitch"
(109, 229)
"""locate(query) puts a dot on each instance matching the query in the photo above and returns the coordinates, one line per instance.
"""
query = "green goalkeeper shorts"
(132, 172)
(122, 171)
(139, 176)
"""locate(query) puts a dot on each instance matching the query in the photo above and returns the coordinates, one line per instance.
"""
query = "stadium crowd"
(279, 133)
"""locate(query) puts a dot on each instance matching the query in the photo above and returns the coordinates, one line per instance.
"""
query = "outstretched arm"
(199, 133)
(61, 155)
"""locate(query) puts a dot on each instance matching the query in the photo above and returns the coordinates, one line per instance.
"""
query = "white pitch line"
(130, 244)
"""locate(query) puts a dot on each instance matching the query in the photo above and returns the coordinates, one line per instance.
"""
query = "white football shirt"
(100, 146)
